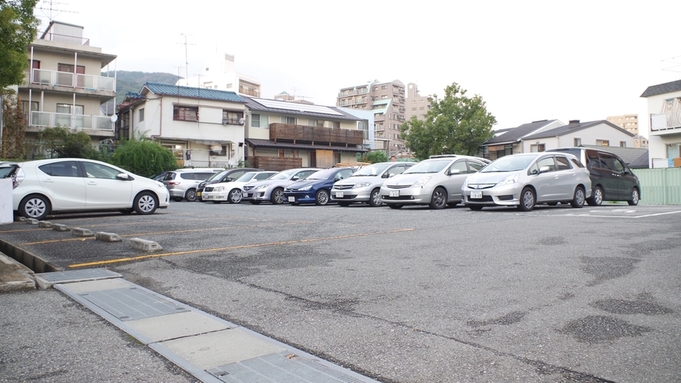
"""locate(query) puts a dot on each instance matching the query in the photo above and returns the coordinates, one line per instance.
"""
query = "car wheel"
(578, 199)
(634, 197)
(35, 206)
(145, 203)
(596, 198)
(527, 200)
(344, 204)
(475, 207)
(322, 198)
(277, 197)
(190, 196)
(375, 198)
(395, 205)
(235, 196)
(439, 198)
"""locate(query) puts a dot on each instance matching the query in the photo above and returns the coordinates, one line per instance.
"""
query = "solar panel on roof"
(296, 107)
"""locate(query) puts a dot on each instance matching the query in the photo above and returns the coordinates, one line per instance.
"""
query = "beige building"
(387, 101)
(417, 105)
(629, 122)
(64, 86)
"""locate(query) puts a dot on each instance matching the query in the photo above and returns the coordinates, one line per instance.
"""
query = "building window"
(603, 142)
(141, 115)
(288, 120)
(623, 144)
(577, 141)
(70, 109)
(255, 120)
(185, 113)
(232, 118)
(537, 148)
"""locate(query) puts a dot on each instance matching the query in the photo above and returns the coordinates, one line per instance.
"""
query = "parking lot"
(415, 295)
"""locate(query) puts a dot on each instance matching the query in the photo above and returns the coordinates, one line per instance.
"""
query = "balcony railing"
(73, 121)
(72, 80)
(312, 134)
(665, 122)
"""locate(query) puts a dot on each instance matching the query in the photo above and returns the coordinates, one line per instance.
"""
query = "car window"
(305, 173)
(343, 174)
(475, 166)
(563, 163)
(61, 169)
(592, 160)
(263, 176)
(576, 163)
(395, 170)
(608, 161)
(546, 161)
(100, 171)
(461, 165)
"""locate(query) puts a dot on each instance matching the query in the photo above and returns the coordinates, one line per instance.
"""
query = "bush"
(144, 157)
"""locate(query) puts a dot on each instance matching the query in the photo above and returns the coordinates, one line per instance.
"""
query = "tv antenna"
(50, 7)
(186, 56)
(672, 64)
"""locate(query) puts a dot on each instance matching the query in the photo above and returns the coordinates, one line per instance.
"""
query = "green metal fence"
(660, 186)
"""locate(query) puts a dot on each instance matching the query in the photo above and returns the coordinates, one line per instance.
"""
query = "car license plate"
(394, 193)
(339, 194)
(476, 194)
(292, 199)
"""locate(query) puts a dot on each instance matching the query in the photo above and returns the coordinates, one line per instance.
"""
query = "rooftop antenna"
(186, 56)
(672, 64)
(49, 8)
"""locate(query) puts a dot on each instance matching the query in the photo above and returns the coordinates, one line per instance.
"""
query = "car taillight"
(173, 183)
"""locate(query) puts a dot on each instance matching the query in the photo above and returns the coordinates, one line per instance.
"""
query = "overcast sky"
(529, 60)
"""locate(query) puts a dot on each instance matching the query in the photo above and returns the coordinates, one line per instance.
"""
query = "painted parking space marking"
(250, 246)
(621, 213)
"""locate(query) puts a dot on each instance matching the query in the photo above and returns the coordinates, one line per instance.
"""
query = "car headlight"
(305, 188)
(265, 186)
(219, 189)
(509, 180)
(422, 181)
(362, 184)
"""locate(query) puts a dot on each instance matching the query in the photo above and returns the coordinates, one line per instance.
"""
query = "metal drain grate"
(132, 303)
(77, 275)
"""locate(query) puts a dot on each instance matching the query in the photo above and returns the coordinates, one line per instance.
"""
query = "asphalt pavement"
(411, 295)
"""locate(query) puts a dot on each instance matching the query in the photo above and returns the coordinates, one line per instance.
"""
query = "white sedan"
(76, 184)
(231, 191)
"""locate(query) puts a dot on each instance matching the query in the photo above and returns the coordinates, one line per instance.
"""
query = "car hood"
(408, 179)
(303, 183)
(490, 178)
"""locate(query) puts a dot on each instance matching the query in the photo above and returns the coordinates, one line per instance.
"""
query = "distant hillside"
(131, 81)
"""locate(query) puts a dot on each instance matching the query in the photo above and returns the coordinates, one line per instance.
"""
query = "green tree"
(65, 143)
(374, 156)
(18, 28)
(144, 157)
(455, 124)
(14, 125)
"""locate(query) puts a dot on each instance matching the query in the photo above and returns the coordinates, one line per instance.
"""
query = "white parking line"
(623, 213)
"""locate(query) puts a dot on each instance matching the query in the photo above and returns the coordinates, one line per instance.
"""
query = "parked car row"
(572, 176)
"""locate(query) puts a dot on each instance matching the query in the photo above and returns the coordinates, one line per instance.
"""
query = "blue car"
(317, 187)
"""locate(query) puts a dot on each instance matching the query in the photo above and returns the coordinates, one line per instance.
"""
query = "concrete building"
(417, 105)
(64, 86)
(387, 101)
(221, 75)
(664, 115)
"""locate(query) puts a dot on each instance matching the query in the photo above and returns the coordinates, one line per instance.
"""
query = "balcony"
(315, 135)
(100, 124)
(48, 79)
(665, 123)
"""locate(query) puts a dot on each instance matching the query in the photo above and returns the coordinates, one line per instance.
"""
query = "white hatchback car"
(76, 184)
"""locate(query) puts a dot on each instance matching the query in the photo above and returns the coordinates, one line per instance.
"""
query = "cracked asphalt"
(416, 295)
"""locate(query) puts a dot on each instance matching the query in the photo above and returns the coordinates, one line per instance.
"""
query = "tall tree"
(18, 28)
(14, 125)
(455, 124)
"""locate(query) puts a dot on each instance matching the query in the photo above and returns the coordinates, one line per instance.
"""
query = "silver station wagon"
(527, 179)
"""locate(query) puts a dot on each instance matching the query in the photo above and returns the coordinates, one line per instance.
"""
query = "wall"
(660, 186)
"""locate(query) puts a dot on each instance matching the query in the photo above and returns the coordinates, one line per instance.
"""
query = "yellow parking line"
(149, 256)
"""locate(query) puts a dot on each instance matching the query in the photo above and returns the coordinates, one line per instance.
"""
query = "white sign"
(6, 213)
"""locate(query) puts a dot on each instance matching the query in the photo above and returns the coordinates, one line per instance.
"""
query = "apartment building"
(387, 101)
(417, 105)
(221, 75)
(629, 122)
(64, 86)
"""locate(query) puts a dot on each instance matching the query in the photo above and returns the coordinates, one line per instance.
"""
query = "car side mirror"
(454, 171)
(544, 169)
(295, 178)
(123, 177)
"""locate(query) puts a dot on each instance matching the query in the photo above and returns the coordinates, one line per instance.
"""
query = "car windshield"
(508, 164)
(371, 170)
(428, 166)
(246, 177)
(282, 175)
(322, 174)
(217, 175)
